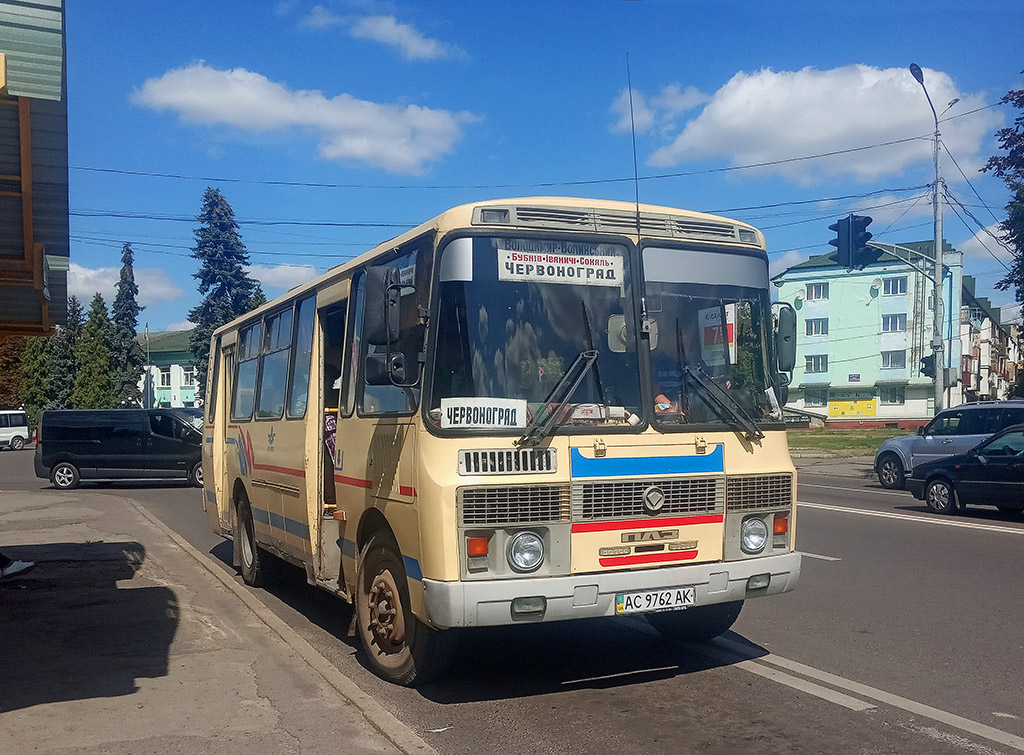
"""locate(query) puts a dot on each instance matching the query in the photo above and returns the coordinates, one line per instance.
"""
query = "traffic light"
(928, 365)
(842, 242)
(859, 238)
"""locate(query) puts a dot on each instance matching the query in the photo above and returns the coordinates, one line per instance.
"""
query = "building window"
(894, 360)
(816, 291)
(894, 286)
(816, 363)
(894, 323)
(165, 377)
(976, 313)
(893, 394)
(817, 326)
(188, 376)
(815, 397)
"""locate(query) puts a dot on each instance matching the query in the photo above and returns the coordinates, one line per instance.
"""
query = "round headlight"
(753, 535)
(525, 551)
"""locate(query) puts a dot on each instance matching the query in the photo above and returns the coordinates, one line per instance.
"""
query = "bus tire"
(696, 624)
(64, 476)
(250, 557)
(399, 647)
(195, 477)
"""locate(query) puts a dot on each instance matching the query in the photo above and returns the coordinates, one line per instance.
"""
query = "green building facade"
(168, 377)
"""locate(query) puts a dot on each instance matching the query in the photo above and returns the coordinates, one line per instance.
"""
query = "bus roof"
(553, 214)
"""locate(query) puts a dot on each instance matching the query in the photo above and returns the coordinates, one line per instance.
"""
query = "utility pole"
(937, 192)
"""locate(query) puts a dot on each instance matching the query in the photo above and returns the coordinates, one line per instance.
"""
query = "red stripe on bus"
(648, 558)
(281, 470)
(354, 481)
(646, 523)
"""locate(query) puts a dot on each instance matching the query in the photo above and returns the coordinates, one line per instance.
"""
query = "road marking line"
(904, 494)
(737, 661)
(819, 556)
(911, 706)
(920, 518)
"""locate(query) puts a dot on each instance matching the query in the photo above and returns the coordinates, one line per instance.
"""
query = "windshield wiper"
(543, 424)
(730, 408)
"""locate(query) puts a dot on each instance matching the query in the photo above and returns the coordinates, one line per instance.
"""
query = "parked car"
(13, 429)
(108, 444)
(990, 474)
(192, 415)
(953, 431)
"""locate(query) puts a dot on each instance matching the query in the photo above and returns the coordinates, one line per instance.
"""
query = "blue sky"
(399, 110)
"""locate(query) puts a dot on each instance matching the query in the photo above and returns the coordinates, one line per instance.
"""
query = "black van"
(106, 444)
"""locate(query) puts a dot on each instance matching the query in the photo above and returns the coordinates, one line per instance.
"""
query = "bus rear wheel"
(399, 647)
(696, 624)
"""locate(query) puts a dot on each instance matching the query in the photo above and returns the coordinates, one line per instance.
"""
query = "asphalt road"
(904, 636)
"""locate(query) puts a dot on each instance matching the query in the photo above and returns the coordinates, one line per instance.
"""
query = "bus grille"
(623, 499)
(749, 493)
(507, 461)
(513, 505)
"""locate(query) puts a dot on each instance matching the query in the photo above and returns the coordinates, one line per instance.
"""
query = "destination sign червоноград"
(489, 413)
(551, 267)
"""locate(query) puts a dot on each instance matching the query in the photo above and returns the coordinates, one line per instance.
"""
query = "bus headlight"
(525, 551)
(753, 535)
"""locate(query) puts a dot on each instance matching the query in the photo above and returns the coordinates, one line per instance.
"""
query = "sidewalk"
(122, 641)
(835, 466)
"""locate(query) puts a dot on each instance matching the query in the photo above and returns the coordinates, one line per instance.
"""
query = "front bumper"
(489, 603)
(916, 487)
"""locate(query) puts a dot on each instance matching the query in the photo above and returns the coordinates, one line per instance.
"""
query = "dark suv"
(953, 431)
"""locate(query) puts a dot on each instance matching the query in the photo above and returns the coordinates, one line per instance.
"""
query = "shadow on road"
(71, 631)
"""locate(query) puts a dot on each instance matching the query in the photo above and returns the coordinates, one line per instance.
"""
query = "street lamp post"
(937, 336)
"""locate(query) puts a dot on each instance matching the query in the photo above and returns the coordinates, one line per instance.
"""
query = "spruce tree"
(94, 383)
(75, 320)
(226, 287)
(258, 297)
(34, 377)
(11, 350)
(61, 369)
(126, 352)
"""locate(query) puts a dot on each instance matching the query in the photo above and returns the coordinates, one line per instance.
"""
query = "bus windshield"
(519, 323)
(709, 335)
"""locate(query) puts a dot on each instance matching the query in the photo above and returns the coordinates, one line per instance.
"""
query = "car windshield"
(526, 324)
(709, 319)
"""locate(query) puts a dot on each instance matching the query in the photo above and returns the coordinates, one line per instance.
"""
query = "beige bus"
(523, 410)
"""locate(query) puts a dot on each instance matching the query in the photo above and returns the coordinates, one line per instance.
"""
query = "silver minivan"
(13, 429)
(953, 431)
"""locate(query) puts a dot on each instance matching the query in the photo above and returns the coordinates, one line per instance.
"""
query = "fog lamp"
(758, 581)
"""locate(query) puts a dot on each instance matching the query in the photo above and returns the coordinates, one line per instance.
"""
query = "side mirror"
(920, 430)
(785, 338)
(383, 296)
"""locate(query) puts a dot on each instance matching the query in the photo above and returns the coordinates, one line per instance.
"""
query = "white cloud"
(403, 37)
(661, 109)
(321, 18)
(183, 325)
(982, 246)
(768, 116)
(397, 138)
(282, 277)
(787, 260)
(155, 286)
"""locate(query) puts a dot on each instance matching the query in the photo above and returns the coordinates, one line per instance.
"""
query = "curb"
(400, 735)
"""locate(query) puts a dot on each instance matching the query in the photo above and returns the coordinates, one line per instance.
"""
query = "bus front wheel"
(250, 558)
(399, 647)
(697, 624)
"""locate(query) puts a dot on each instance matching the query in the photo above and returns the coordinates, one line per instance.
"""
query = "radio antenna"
(632, 129)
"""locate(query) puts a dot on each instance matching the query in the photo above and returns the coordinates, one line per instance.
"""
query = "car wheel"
(697, 624)
(941, 497)
(399, 647)
(250, 557)
(64, 476)
(17, 443)
(195, 477)
(890, 472)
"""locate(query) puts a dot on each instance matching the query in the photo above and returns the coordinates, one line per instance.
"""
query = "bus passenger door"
(218, 400)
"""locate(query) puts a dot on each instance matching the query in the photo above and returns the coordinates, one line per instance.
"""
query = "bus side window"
(298, 387)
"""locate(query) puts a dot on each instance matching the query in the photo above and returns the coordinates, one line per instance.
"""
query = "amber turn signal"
(477, 546)
(781, 525)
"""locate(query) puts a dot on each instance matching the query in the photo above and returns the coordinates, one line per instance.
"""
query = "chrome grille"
(623, 499)
(513, 505)
(507, 461)
(752, 492)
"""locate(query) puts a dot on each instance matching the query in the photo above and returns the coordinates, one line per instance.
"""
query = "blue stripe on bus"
(279, 522)
(412, 566)
(647, 465)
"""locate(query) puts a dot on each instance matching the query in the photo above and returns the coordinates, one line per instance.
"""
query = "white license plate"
(655, 600)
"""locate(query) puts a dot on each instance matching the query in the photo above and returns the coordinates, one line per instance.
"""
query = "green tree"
(75, 320)
(61, 369)
(34, 377)
(126, 352)
(1009, 166)
(11, 350)
(94, 383)
(225, 285)
(258, 298)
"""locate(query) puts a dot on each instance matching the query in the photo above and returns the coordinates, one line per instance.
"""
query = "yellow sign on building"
(852, 404)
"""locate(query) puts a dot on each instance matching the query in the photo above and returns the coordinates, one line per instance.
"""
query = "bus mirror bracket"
(386, 369)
